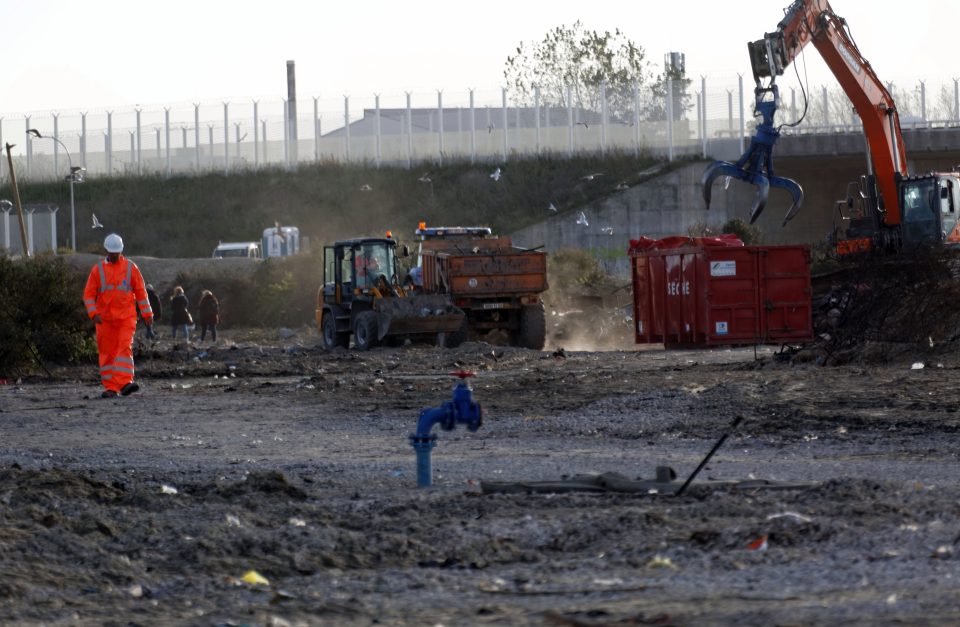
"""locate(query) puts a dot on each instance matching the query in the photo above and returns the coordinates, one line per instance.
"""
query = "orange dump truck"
(498, 285)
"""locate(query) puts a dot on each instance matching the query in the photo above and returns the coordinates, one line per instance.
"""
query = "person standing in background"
(179, 315)
(209, 315)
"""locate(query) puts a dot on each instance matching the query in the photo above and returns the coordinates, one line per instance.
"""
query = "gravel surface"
(277, 456)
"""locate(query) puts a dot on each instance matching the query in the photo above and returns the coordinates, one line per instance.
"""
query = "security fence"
(681, 118)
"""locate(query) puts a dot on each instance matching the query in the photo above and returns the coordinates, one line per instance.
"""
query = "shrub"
(749, 234)
(42, 318)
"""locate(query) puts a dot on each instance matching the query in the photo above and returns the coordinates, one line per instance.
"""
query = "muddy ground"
(280, 457)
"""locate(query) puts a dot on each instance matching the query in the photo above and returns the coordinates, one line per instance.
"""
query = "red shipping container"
(690, 292)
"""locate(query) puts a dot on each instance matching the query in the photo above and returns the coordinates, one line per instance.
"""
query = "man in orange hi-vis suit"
(115, 290)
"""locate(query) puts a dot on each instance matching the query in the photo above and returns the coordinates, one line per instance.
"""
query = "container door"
(786, 312)
(642, 328)
(732, 296)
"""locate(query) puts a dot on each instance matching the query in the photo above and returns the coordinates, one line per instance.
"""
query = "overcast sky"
(97, 54)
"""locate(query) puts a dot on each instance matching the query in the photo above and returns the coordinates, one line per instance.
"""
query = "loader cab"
(352, 268)
(929, 208)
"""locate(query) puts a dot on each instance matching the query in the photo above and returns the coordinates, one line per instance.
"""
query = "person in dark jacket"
(209, 316)
(155, 304)
(179, 315)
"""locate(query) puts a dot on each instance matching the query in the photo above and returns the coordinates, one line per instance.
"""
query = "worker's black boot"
(129, 388)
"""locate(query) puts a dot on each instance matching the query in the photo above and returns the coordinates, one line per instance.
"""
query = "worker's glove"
(150, 334)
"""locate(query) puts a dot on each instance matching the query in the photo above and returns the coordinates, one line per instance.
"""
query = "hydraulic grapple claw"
(755, 166)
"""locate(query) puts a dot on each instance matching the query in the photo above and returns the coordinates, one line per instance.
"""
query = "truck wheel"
(331, 338)
(533, 327)
(365, 331)
(454, 339)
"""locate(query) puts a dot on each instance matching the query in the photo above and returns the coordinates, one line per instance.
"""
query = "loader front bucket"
(421, 314)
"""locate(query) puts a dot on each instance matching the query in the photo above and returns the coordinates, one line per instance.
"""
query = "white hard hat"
(113, 243)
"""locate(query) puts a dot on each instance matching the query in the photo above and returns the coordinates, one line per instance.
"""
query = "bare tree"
(583, 60)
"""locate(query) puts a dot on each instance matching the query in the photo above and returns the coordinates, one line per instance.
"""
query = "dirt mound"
(886, 310)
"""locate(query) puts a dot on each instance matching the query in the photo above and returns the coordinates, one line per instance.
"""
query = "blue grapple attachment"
(755, 166)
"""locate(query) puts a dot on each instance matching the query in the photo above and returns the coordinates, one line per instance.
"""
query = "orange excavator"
(888, 209)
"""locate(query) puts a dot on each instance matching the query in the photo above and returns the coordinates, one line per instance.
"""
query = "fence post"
(166, 138)
(139, 144)
(226, 138)
(53, 228)
(83, 138)
(210, 142)
(603, 117)
(159, 143)
(703, 96)
(256, 135)
(109, 142)
(26, 129)
(263, 136)
(133, 147)
(503, 99)
(408, 124)
(826, 108)
(703, 141)
(793, 104)
(743, 122)
(316, 128)
(196, 134)
(56, 149)
(346, 125)
(376, 120)
(669, 119)
(569, 122)
(440, 122)
(956, 101)
(923, 101)
(636, 119)
(473, 129)
(536, 113)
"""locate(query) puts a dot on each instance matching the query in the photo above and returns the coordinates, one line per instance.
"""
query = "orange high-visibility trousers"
(115, 345)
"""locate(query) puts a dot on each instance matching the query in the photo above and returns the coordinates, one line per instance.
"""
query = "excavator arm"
(813, 21)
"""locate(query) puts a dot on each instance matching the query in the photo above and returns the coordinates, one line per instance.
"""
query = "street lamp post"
(75, 176)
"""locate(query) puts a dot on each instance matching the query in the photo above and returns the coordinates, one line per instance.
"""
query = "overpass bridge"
(670, 202)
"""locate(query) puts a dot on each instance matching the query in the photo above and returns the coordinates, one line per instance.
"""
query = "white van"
(237, 249)
(281, 241)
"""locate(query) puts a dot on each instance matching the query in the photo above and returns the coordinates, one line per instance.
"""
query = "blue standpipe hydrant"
(461, 409)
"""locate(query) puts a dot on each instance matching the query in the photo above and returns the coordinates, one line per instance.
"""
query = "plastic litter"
(254, 578)
(792, 515)
(659, 561)
(168, 489)
(917, 365)
(760, 544)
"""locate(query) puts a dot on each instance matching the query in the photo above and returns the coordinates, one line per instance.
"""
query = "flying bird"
(607, 230)
(96, 223)
(590, 177)
(495, 175)
(583, 219)
(425, 178)
(552, 208)
(622, 185)
(490, 128)
(366, 188)
(583, 124)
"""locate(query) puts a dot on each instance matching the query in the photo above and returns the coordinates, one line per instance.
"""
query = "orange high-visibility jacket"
(116, 290)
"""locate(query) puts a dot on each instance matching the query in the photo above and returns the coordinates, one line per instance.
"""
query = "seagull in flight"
(622, 186)
(96, 223)
(590, 177)
(583, 124)
(607, 229)
(425, 178)
(366, 188)
(583, 219)
(552, 208)
(495, 175)
(490, 128)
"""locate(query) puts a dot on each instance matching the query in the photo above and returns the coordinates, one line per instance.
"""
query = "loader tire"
(533, 327)
(331, 337)
(365, 331)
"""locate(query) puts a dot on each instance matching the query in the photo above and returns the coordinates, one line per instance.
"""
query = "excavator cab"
(929, 210)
